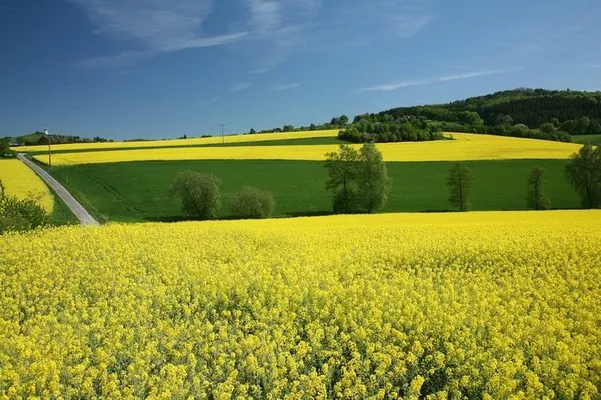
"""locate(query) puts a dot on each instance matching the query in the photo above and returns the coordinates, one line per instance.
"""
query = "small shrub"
(20, 214)
(251, 202)
(199, 194)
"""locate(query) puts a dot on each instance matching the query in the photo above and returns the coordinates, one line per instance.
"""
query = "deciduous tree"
(342, 181)
(583, 171)
(460, 183)
(374, 183)
(536, 198)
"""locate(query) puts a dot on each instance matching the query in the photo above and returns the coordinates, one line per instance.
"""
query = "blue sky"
(165, 68)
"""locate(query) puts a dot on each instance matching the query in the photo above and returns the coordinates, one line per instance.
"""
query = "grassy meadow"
(137, 191)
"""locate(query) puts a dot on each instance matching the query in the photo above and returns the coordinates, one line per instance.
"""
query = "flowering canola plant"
(503, 305)
(20, 181)
(262, 137)
(465, 147)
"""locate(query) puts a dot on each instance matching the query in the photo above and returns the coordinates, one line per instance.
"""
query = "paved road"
(82, 215)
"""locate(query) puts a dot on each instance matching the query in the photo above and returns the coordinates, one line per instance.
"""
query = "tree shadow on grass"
(170, 218)
(182, 218)
(318, 213)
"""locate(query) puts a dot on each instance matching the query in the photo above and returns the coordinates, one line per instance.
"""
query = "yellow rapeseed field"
(464, 147)
(21, 181)
(501, 305)
(259, 137)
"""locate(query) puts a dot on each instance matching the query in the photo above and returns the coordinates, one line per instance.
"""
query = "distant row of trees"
(335, 123)
(382, 129)
(394, 127)
(38, 138)
(201, 197)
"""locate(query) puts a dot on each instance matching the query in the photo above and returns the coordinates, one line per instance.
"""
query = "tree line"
(39, 138)
(383, 128)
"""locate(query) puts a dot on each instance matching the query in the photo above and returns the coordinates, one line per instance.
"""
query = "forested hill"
(569, 111)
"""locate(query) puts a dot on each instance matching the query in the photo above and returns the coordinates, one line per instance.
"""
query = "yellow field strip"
(465, 147)
(258, 137)
(21, 181)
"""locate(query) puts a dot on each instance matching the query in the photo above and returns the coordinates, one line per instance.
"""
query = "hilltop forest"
(531, 113)
(549, 111)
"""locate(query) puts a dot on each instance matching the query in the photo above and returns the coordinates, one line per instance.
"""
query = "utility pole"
(222, 138)
(49, 152)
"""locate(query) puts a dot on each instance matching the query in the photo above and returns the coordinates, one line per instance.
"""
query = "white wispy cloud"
(209, 101)
(118, 60)
(265, 15)
(287, 86)
(445, 78)
(240, 87)
(259, 71)
(407, 24)
(581, 65)
(272, 31)
(151, 27)
(280, 27)
(401, 18)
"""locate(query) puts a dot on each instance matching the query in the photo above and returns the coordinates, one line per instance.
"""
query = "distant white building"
(14, 143)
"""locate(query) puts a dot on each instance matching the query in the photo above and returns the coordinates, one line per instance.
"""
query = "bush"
(251, 202)
(20, 214)
(199, 194)
(5, 150)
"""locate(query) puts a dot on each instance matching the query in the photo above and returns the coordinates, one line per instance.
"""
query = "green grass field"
(587, 139)
(282, 142)
(137, 191)
(61, 215)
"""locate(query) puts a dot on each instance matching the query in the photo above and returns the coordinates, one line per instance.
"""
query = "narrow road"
(82, 215)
